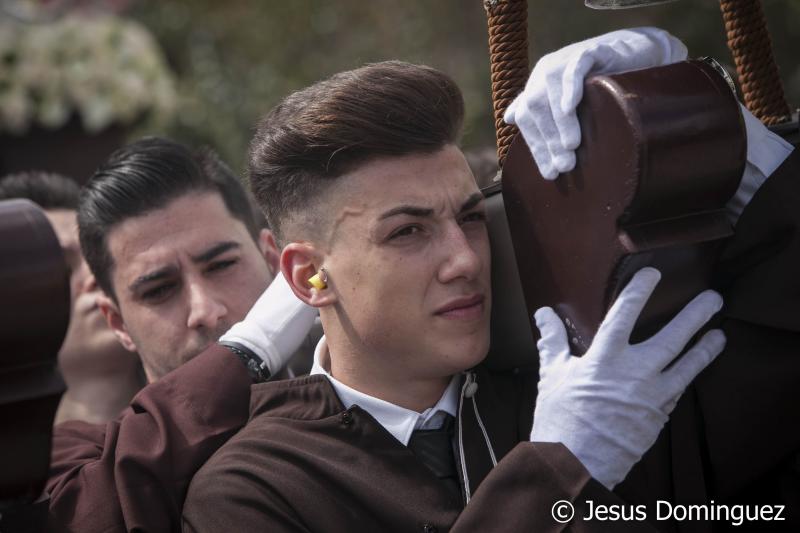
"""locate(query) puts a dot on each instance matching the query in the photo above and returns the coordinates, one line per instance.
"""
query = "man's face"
(90, 346)
(409, 259)
(182, 275)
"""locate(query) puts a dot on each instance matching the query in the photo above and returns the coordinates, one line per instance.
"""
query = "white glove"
(609, 406)
(276, 325)
(545, 110)
(765, 152)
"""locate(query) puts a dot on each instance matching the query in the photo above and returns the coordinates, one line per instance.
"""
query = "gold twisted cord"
(751, 46)
(508, 55)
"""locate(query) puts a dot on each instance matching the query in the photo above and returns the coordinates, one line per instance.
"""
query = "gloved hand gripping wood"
(609, 406)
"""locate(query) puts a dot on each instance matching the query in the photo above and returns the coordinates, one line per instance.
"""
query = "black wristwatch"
(255, 366)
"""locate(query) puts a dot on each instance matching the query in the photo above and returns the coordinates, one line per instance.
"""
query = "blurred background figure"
(101, 376)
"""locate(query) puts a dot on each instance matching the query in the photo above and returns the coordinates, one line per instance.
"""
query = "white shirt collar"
(765, 153)
(398, 421)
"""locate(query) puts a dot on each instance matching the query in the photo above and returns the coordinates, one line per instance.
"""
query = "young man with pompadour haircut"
(400, 427)
(107, 477)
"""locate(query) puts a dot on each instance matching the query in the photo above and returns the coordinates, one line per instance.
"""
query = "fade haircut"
(143, 177)
(319, 133)
(47, 189)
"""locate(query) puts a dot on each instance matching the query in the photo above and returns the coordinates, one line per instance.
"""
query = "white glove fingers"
(541, 110)
(618, 323)
(562, 147)
(553, 343)
(643, 48)
(679, 50)
(509, 115)
(549, 132)
(691, 364)
(555, 88)
(569, 130)
(674, 336)
(671, 403)
(615, 52)
(564, 161)
(537, 145)
(572, 80)
(672, 49)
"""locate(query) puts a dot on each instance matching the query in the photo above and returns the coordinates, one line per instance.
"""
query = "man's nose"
(205, 308)
(462, 260)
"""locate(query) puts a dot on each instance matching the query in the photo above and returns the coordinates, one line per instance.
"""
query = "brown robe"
(305, 463)
(734, 437)
(132, 474)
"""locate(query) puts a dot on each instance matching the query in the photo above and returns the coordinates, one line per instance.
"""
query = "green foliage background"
(236, 59)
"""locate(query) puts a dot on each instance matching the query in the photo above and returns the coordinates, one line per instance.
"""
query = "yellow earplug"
(319, 280)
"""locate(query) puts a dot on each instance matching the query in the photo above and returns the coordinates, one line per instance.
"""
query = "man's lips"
(463, 307)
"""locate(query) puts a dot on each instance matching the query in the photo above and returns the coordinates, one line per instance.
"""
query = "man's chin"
(467, 355)
(191, 354)
(203, 345)
(479, 357)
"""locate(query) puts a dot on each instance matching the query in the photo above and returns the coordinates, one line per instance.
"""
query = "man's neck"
(416, 395)
(394, 385)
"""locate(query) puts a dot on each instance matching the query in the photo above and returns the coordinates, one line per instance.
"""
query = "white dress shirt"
(765, 153)
(398, 421)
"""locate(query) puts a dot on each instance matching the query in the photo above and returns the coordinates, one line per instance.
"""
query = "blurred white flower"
(103, 69)
(15, 110)
(53, 112)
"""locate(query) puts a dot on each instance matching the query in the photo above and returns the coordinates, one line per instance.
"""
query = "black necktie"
(434, 447)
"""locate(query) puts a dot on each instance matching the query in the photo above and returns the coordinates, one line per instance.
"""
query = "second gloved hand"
(545, 110)
(276, 325)
(609, 406)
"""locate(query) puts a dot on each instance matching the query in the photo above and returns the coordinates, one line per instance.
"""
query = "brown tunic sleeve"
(133, 473)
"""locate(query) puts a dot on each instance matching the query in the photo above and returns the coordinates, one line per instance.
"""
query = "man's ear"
(270, 251)
(299, 262)
(114, 320)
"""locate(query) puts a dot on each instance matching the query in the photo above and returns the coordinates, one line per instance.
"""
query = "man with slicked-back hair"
(169, 235)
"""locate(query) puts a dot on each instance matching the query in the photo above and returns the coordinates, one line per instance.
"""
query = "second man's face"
(408, 256)
(183, 275)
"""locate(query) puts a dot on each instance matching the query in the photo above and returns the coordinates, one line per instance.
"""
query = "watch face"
(256, 368)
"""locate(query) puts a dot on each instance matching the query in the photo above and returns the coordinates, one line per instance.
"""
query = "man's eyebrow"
(471, 202)
(164, 272)
(416, 211)
(156, 275)
(412, 210)
(214, 251)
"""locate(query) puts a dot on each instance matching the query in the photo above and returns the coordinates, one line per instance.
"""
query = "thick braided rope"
(508, 54)
(750, 44)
